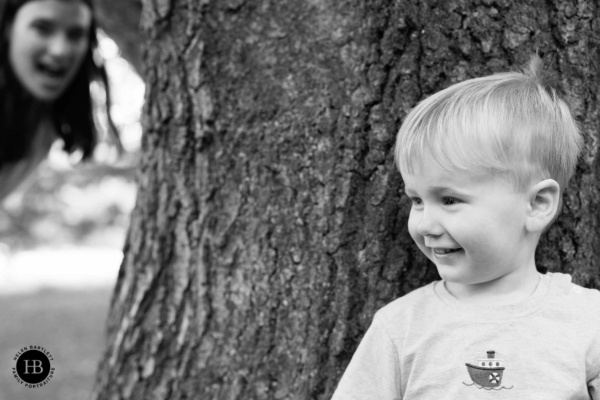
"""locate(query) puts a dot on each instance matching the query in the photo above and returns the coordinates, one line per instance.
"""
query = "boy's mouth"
(441, 252)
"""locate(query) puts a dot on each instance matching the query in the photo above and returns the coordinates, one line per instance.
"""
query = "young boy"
(484, 163)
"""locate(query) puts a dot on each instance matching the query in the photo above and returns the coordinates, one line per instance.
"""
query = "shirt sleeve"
(374, 371)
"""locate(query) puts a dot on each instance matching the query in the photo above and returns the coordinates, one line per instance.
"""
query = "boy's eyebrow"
(451, 191)
(409, 191)
(438, 190)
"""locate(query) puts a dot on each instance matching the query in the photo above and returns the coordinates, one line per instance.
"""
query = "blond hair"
(515, 123)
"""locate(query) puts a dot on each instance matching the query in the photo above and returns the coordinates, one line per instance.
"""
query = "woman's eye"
(43, 28)
(76, 35)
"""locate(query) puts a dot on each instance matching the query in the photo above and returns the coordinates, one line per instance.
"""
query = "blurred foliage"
(87, 204)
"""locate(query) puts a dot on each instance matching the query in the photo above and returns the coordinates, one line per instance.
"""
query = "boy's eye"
(416, 201)
(449, 201)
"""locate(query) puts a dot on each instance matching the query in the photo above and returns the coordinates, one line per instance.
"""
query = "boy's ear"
(544, 199)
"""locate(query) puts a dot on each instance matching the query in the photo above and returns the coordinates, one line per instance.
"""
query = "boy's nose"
(428, 224)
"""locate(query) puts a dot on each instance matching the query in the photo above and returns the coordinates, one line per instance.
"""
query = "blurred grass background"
(68, 213)
(69, 324)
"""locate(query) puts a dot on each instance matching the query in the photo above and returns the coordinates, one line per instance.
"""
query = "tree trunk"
(270, 222)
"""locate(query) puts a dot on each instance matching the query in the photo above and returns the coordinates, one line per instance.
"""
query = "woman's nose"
(59, 46)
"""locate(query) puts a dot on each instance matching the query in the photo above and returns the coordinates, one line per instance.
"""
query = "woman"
(48, 51)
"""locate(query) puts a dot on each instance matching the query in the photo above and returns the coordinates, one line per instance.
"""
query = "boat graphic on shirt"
(487, 373)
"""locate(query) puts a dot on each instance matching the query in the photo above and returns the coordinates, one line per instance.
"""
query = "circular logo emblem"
(33, 366)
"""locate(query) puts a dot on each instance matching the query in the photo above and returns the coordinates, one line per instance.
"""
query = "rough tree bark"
(270, 222)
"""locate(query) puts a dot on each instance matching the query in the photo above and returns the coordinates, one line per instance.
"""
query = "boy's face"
(471, 225)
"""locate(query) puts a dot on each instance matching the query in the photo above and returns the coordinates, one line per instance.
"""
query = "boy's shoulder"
(419, 299)
(425, 300)
(566, 289)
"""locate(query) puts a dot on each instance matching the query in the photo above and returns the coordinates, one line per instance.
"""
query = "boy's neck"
(508, 289)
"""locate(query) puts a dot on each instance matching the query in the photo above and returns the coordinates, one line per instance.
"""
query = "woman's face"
(47, 44)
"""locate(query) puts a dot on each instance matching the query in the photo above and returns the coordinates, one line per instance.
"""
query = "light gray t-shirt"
(429, 345)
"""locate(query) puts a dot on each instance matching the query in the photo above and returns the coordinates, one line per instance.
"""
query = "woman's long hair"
(71, 115)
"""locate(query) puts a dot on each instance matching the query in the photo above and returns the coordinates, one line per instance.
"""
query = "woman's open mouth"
(52, 71)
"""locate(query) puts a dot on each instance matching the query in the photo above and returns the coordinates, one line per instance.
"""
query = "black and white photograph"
(299, 200)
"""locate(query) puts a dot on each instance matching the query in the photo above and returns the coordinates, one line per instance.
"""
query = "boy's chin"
(460, 278)
(455, 274)
(450, 266)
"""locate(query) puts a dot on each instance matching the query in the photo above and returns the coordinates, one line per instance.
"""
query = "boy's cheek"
(412, 230)
(417, 238)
